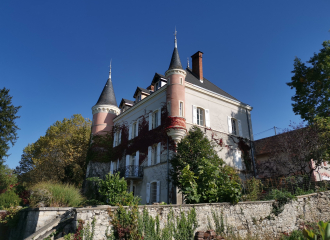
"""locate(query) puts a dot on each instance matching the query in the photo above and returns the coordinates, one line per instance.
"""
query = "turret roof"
(175, 60)
(108, 95)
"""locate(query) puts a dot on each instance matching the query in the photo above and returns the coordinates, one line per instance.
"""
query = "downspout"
(168, 174)
(253, 162)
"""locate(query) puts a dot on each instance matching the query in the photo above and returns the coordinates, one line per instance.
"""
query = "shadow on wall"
(238, 144)
(26, 226)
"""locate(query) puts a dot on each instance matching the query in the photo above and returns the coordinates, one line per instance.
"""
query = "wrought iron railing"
(130, 171)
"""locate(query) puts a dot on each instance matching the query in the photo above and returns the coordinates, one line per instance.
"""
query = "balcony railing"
(130, 171)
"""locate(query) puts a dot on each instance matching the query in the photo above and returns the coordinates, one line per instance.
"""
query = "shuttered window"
(200, 116)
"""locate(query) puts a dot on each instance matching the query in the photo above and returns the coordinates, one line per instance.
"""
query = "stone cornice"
(218, 96)
(143, 101)
(105, 109)
(175, 71)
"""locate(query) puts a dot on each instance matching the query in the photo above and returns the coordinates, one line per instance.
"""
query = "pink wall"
(102, 122)
(176, 93)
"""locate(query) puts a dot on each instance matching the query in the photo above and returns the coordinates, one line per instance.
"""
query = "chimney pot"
(197, 64)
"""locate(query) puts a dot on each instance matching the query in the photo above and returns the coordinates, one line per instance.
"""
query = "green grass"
(55, 195)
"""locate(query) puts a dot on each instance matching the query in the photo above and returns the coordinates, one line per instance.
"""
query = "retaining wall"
(244, 217)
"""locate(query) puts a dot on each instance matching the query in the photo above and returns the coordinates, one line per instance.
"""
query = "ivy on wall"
(102, 150)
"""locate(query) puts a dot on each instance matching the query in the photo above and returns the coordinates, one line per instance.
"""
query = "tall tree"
(8, 127)
(60, 155)
(312, 85)
(200, 174)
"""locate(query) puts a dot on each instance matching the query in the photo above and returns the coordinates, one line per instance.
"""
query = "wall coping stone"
(48, 209)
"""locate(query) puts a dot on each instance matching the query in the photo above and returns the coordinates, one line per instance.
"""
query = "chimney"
(197, 65)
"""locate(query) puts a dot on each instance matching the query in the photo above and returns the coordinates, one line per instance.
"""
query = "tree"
(312, 85)
(8, 126)
(290, 152)
(200, 174)
(60, 155)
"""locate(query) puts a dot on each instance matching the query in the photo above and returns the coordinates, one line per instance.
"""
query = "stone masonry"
(243, 218)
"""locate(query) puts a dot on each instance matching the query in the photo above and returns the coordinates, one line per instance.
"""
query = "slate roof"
(157, 77)
(192, 78)
(108, 95)
(142, 90)
(175, 60)
(126, 101)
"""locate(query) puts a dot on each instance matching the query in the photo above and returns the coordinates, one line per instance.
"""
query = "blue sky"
(54, 55)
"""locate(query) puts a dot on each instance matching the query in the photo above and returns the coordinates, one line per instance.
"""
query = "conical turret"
(175, 96)
(105, 110)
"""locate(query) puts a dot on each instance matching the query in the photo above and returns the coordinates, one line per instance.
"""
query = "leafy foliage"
(60, 155)
(312, 85)
(323, 126)
(282, 197)
(10, 218)
(125, 223)
(8, 127)
(130, 224)
(9, 199)
(48, 194)
(200, 174)
(113, 190)
(254, 188)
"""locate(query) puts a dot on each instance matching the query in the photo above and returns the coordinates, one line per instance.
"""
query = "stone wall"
(243, 218)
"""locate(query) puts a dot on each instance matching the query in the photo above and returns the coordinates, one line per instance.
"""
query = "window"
(181, 109)
(139, 98)
(134, 130)
(153, 192)
(200, 116)
(155, 119)
(132, 160)
(169, 107)
(114, 166)
(154, 155)
(181, 81)
(234, 126)
(168, 81)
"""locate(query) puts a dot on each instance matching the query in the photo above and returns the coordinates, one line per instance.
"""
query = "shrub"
(50, 194)
(9, 199)
(11, 217)
(200, 174)
(113, 190)
(254, 189)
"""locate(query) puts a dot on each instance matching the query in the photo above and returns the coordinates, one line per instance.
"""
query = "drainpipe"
(168, 174)
(253, 162)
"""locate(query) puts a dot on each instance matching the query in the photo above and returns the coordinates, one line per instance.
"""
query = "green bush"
(282, 197)
(200, 174)
(49, 194)
(9, 199)
(113, 190)
(253, 188)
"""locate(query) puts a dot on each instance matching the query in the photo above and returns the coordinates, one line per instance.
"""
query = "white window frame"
(238, 126)
(134, 129)
(199, 122)
(181, 107)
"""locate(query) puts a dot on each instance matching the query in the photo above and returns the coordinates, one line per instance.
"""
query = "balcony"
(130, 172)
